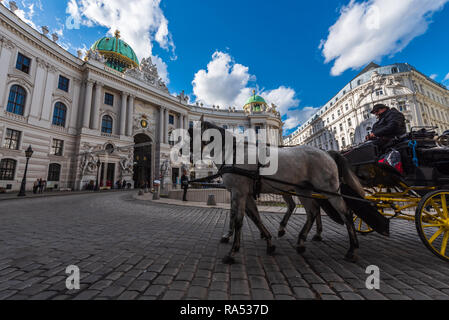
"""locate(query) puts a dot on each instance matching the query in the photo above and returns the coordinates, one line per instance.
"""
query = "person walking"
(40, 185)
(35, 186)
(184, 184)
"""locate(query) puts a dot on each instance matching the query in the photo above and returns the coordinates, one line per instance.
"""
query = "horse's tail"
(347, 176)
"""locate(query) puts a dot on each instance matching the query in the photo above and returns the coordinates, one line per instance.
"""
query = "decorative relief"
(147, 73)
(95, 55)
(89, 161)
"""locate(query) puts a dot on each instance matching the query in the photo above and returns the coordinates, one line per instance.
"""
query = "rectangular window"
(23, 63)
(379, 92)
(63, 83)
(12, 139)
(171, 119)
(109, 99)
(57, 147)
(7, 169)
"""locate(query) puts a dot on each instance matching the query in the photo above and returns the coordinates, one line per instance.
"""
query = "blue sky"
(297, 54)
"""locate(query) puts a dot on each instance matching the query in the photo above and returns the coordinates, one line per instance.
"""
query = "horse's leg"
(339, 204)
(312, 209)
(227, 237)
(291, 208)
(253, 214)
(319, 227)
(238, 205)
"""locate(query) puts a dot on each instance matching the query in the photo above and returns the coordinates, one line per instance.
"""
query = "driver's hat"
(378, 107)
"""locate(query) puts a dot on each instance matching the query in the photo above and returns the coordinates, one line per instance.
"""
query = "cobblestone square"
(128, 249)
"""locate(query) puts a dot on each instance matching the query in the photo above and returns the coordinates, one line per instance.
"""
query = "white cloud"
(227, 83)
(26, 11)
(369, 30)
(446, 77)
(433, 76)
(140, 23)
(296, 117)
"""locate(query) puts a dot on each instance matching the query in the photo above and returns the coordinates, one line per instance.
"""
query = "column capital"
(125, 94)
(89, 83)
(99, 83)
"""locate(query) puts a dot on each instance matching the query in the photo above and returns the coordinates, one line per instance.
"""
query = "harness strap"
(413, 144)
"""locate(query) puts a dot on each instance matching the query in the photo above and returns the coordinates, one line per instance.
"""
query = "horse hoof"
(228, 260)
(317, 238)
(351, 258)
(281, 233)
(301, 250)
(271, 250)
(224, 240)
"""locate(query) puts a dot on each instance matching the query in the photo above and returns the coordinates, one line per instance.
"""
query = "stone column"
(123, 114)
(130, 116)
(39, 87)
(87, 103)
(161, 124)
(166, 126)
(50, 86)
(75, 105)
(5, 61)
(95, 121)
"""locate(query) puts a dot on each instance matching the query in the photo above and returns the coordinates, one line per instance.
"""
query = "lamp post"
(28, 154)
(97, 186)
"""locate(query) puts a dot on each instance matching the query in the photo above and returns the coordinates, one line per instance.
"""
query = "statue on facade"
(88, 163)
(95, 55)
(127, 163)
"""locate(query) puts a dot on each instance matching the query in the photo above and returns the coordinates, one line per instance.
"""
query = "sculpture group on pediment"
(95, 55)
(147, 72)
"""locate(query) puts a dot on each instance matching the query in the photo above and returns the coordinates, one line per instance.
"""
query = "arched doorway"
(142, 160)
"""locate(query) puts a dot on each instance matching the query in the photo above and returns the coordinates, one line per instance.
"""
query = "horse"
(333, 170)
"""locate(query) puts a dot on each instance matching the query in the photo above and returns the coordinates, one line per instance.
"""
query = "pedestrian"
(35, 186)
(40, 185)
(119, 184)
(124, 184)
(184, 184)
(44, 185)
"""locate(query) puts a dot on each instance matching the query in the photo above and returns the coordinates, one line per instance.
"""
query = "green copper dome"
(255, 104)
(255, 99)
(118, 54)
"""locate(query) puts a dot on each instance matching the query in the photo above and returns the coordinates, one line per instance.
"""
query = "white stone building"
(105, 117)
(346, 119)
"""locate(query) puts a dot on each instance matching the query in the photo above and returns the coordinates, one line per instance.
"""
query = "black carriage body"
(432, 170)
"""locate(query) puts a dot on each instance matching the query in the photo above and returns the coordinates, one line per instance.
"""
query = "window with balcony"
(16, 100)
(59, 114)
(106, 124)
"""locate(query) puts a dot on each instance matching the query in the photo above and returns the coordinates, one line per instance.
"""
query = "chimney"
(45, 30)
(13, 6)
(55, 37)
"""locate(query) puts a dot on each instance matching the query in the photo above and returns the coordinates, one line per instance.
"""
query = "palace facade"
(346, 120)
(100, 118)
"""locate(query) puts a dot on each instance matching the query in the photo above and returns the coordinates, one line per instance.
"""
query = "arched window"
(7, 169)
(394, 70)
(106, 124)
(343, 142)
(16, 100)
(59, 114)
(54, 172)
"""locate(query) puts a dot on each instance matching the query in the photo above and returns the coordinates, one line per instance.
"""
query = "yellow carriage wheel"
(432, 222)
(361, 226)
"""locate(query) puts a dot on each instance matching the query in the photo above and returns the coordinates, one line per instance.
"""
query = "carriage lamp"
(28, 154)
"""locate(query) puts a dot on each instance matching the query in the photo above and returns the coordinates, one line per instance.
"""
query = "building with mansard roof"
(346, 119)
(100, 118)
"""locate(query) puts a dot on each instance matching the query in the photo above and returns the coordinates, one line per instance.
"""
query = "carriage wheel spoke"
(436, 207)
(444, 206)
(360, 224)
(436, 235)
(432, 225)
(444, 243)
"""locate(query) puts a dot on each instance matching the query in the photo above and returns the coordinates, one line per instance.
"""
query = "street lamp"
(97, 187)
(28, 154)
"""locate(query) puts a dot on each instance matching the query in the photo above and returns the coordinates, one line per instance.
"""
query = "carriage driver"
(390, 124)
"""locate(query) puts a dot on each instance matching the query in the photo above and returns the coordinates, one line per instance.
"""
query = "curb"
(61, 194)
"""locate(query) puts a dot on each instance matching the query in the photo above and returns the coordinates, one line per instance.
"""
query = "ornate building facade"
(100, 118)
(346, 119)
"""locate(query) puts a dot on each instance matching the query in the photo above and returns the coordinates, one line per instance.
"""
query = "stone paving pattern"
(128, 249)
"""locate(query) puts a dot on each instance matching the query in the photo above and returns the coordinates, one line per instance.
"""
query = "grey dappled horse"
(314, 169)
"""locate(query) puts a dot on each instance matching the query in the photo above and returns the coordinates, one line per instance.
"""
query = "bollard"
(211, 200)
(157, 190)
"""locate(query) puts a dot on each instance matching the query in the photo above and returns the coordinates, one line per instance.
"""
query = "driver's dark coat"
(390, 125)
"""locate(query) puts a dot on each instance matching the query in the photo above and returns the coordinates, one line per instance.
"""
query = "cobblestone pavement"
(128, 249)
